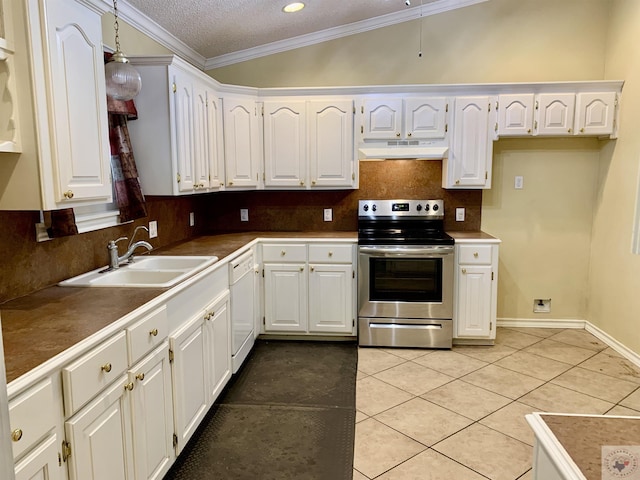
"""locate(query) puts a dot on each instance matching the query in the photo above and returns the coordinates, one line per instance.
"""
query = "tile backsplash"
(28, 266)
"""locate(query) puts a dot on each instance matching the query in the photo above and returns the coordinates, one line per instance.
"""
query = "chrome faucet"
(114, 260)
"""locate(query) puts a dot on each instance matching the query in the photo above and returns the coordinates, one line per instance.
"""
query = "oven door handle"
(407, 252)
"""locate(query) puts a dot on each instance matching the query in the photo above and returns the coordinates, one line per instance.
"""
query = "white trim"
(89, 222)
(144, 24)
(6, 455)
(541, 323)
(405, 15)
(623, 350)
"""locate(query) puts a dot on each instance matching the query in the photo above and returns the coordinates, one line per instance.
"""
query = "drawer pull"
(106, 367)
(154, 332)
(283, 253)
(464, 270)
(140, 376)
(475, 255)
(16, 435)
(129, 386)
(312, 269)
(331, 254)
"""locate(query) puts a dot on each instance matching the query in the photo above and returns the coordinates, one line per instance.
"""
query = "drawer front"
(474, 254)
(330, 254)
(147, 333)
(31, 416)
(284, 253)
(84, 378)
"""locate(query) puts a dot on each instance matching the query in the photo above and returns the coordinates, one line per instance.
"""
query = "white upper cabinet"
(554, 114)
(470, 156)
(242, 143)
(401, 119)
(309, 143)
(595, 113)
(177, 139)
(70, 103)
(515, 115)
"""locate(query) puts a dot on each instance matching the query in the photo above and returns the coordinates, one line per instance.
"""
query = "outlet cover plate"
(153, 229)
(328, 215)
(459, 214)
(244, 214)
(192, 219)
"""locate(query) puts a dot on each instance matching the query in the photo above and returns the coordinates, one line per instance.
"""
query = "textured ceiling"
(216, 27)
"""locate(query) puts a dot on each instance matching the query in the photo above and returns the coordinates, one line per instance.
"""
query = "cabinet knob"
(331, 254)
(68, 194)
(313, 182)
(582, 130)
(570, 130)
(464, 270)
(207, 316)
(301, 183)
(129, 386)
(230, 183)
(154, 332)
(16, 435)
(302, 269)
(528, 130)
(106, 367)
(475, 254)
(457, 182)
(397, 134)
(409, 134)
(140, 376)
(312, 269)
(283, 253)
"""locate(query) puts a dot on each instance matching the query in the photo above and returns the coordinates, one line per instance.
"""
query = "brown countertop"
(584, 436)
(39, 326)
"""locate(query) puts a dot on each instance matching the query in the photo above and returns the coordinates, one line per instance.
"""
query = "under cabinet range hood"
(402, 149)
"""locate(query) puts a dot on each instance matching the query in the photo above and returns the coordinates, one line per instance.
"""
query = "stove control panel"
(401, 208)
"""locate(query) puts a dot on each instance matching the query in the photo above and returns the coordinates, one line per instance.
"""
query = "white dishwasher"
(242, 308)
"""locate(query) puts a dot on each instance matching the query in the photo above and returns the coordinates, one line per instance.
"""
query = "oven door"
(405, 282)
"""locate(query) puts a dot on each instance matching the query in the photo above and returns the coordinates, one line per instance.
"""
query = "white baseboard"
(623, 350)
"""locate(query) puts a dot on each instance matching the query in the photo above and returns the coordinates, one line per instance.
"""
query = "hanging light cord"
(421, 22)
(116, 26)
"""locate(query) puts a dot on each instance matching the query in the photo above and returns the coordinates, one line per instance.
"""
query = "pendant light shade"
(123, 81)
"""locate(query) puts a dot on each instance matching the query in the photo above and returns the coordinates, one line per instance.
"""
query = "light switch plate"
(328, 215)
(459, 214)
(153, 229)
(244, 214)
(192, 219)
(519, 182)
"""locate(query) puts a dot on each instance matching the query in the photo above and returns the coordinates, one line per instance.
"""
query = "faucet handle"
(112, 243)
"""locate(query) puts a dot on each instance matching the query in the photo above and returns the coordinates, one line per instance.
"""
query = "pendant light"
(123, 81)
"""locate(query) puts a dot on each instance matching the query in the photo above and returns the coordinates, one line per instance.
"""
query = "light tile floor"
(459, 414)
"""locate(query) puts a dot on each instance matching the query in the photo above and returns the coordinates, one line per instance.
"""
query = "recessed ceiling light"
(293, 7)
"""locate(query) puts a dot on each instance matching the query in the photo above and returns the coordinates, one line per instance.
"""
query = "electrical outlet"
(192, 219)
(541, 305)
(328, 215)
(459, 214)
(244, 214)
(518, 183)
(153, 229)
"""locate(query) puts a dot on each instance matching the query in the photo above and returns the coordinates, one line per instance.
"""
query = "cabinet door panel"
(515, 114)
(425, 118)
(218, 331)
(331, 143)
(184, 130)
(215, 145)
(285, 297)
(382, 119)
(285, 143)
(152, 414)
(100, 437)
(555, 113)
(241, 142)
(474, 301)
(330, 298)
(595, 113)
(41, 463)
(200, 137)
(79, 130)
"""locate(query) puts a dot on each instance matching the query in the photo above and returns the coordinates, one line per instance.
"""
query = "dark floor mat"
(289, 414)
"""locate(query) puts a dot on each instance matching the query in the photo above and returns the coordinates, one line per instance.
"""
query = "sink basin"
(151, 271)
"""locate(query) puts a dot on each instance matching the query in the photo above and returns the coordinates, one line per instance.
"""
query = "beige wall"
(132, 42)
(495, 41)
(614, 289)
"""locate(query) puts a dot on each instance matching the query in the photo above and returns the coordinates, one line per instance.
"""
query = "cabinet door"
(330, 137)
(425, 118)
(515, 114)
(474, 301)
(215, 139)
(41, 462)
(218, 341)
(285, 290)
(285, 148)
(382, 119)
(241, 142)
(152, 414)
(100, 437)
(555, 113)
(469, 161)
(78, 124)
(200, 158)
(184, 130)
(331, 298)
(189, 379)
(595, 113)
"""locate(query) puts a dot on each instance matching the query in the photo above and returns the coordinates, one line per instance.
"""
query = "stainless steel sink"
(149, 271)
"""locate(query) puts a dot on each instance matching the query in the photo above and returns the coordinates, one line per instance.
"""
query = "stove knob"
(366, 208)
(374, 208)
(419, 207)
(426, 207)
(435, 207)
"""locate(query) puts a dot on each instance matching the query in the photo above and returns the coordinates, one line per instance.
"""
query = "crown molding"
(144, 24)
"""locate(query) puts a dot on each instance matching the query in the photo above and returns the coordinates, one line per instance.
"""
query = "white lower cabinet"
(309, 291)
(201, 366)
(99, 436)
(42, 462)
(475, 294)
(152, 414)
